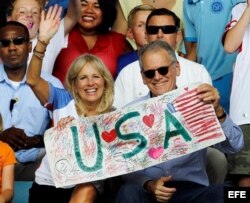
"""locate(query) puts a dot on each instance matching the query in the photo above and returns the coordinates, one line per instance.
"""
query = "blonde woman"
(90, 92)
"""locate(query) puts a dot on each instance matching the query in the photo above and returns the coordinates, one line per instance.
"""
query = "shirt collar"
(4, 77)
(193, 1)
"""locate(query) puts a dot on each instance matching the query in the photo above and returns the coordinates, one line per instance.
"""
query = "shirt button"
(245, 115)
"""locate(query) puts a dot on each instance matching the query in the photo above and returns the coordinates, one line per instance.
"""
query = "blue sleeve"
(63, 3)
(234, 137)
(189, 28)
(59, 98)
(121, 63)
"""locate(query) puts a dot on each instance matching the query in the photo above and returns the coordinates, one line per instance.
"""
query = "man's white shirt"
(129, 84)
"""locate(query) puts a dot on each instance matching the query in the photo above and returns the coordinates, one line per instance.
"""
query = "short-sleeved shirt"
(7, 157)
(129, 84)
(108, 47)
(240, 95)
(27, 112)
(62, 104)
(205, 23)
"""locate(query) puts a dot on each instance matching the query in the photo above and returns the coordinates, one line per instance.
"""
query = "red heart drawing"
(109, 136)
(155, 153)
(186, 88)
(149, 120)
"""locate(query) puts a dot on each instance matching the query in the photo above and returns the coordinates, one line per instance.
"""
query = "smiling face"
(91, 15)
(89, 85)
(159, 84)
(27, 12)
(14, 56)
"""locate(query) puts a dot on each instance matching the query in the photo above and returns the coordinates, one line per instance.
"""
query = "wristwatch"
(222, 116)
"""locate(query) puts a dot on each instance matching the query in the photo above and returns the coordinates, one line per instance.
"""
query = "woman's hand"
(64, 122)
(50, 23)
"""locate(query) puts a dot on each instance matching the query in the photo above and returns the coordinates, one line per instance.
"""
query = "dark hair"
(17, 24)
(109, 13)
(164, 12)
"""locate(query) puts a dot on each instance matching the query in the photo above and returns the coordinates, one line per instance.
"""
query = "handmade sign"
(139, 136)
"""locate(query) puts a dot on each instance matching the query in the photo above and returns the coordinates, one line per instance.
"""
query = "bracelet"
(42, 42)
(39, 55)
(222, 116)
(40, 52)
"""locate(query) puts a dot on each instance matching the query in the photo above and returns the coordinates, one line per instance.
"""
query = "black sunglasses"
(161, 70)
(166, 29)
(15, 41)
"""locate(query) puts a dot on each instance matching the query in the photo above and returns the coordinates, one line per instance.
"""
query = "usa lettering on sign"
(132, 138)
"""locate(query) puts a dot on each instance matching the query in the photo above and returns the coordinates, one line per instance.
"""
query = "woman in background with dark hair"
(97, 32)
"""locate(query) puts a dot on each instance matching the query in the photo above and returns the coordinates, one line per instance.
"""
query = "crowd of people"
(65, 59)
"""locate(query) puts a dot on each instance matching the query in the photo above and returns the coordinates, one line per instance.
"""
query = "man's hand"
(208, 93)
(34, 141)
(63, 122)
(160, 192)
(15, 137)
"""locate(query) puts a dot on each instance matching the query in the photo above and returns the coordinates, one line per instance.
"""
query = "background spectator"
(237, 40)
(28, 12)
(136, 32)
(97, 32)
(24, 118)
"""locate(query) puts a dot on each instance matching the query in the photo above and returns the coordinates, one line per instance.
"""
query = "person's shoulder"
(115, 34)
(5, 147)
(240, 5)
(129, 55)
(131, 68)
(52, 79)
(128, 58)
(137, 101)
(191, 64)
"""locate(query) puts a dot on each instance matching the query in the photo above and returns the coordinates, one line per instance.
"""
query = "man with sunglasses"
(24, 118)
(163, 24)
(183, 179)
(28, 12)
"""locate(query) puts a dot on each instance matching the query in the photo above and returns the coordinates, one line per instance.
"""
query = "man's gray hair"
(155, 46)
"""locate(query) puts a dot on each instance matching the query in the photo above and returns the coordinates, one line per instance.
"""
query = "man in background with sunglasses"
(24, 118)
(183, 179)
(28, 12)
(163, 24)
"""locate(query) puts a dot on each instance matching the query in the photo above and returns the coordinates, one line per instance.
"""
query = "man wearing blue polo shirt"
(205, 23)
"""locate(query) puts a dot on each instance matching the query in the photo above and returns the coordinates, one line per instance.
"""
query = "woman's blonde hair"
(106, 102)
(13, 2)
(132, 13)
